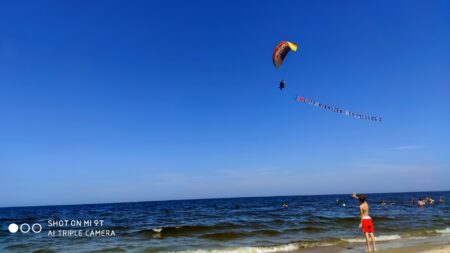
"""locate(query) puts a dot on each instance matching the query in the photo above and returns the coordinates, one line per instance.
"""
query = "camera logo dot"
(13, 228)
(25, 228)
(37, 228)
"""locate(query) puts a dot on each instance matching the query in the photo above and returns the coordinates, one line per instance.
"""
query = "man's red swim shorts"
(367, 225)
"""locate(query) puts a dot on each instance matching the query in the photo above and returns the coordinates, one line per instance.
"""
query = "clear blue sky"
(105, 101)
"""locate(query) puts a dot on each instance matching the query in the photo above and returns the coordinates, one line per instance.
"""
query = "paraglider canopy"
(280, 52)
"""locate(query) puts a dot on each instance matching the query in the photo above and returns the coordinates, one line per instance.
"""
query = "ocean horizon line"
(211, 198)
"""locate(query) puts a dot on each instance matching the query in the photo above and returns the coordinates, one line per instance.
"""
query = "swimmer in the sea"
(421, 203)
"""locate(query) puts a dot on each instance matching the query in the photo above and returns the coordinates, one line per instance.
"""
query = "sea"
(256, 224)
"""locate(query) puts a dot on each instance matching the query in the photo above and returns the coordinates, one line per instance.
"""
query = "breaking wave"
(378, 238)
(266, 249)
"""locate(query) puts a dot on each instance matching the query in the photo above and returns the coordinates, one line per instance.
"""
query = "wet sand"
(440, 249)
(415, 249)
(426, 245)
(421, 249)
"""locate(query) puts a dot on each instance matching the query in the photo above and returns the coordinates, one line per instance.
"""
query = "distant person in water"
(366, 224)
(421, 203)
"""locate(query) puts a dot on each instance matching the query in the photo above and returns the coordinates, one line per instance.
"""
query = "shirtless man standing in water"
(366, 222)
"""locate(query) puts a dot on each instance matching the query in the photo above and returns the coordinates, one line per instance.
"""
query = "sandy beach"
(440, 249)
(414, 249)
(421, 249)
(438, 244)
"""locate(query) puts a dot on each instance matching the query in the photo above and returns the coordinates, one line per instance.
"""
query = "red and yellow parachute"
(280, 52)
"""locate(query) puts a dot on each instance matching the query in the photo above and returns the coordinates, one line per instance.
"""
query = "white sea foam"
(377, 238)
(279, 248)
(157, 230)
(417, 238)
(443, 231)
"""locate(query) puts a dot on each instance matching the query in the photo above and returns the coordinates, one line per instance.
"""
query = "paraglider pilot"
(281, 86)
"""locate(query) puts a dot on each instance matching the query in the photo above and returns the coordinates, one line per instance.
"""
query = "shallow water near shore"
(232, 225)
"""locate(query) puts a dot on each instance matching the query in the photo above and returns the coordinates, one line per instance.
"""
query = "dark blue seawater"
(237, 224)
